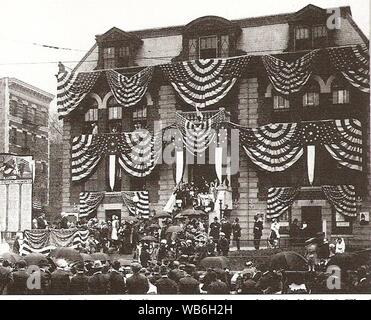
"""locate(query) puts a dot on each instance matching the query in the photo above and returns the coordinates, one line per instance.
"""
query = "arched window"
(340, 92)
(91, 115)
(280, 102)
(140, 117)
(114, 115)
(311, 96)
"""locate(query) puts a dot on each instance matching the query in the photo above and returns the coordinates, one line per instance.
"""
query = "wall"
(3, 110)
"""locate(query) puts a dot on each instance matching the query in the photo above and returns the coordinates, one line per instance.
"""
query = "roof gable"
(116, 34)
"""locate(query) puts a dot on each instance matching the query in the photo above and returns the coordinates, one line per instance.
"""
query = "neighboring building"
(252, 102)
(24, 125)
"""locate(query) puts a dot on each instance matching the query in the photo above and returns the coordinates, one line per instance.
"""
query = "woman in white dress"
(114, 233)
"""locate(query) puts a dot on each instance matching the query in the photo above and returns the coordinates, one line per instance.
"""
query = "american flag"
(89, 202)
(72, 89)
(289, 77)
(204, 82)
(343, 198)
(279, 200)
(128, 91)
(354, 63)
(139, 208)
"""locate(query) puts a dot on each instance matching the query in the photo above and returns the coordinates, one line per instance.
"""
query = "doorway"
(313, 217)
(110, 213)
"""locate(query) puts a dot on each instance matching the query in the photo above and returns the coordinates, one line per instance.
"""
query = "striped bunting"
(343, 198)
(89, 202)
(128, 91)
(142, 206)
(72, 89)
(280, 199)
(197, 135)
(202, 83)
(289, 77)
(44, 241)
(348, 150)
(354, 63)
(83, 161)
(143, 154)
(274, 147)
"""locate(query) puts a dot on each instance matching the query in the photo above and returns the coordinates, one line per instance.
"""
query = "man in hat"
(226, 228)
(162, 251)
(164, 284)
(217, 286)
(6, 277)
(20, 277)
(189, 285)
(98, 282)
(236, 230)
(215, 229)
(258, 231)
(176, 273)
(117, 283)
(223, 245)
(79, 281)
(145, 255)
(60, 278)
(137, 283)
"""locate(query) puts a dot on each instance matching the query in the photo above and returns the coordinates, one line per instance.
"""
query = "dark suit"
(60, 282)
(249, 287)
(117, 283)
(19, 285)
(189, 285)
(176, 275)
(258, 232)
(218, 287)
(79, 284)
(137, 284)
(98, 283)
(166, 286)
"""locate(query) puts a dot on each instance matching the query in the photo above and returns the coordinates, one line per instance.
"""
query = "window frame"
(277, 97)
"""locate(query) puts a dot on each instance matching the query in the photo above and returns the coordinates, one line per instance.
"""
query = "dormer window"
(109, 61)
(210, 37)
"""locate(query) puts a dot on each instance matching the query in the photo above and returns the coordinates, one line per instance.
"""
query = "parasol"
(162, 215)
(191, 213)
(11, 257)
(36, 259)
(100, 256)
(289, 261)
(148, 238)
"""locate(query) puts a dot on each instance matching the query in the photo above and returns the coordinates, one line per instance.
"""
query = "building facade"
(24, 118)
(252, 102)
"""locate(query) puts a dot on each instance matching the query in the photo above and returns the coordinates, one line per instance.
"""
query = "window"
(124, 52)
(319, 32)
(109, 58)
(208, 47)
(285, 220)
(301, 33)
(114, 116)
(92, 114)
(224, 46)
(13, 136)
(280, 103)
(311, 97)
(340, 96)
(115, 112)
(140, 117)
(192, 49)
(44, 168)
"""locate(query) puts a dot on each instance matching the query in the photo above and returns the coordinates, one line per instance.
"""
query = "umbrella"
(154, 226)
(215, 262)
(289, 261)
(11, 257)
(148, 238)
(129, 219)
(173, 229)
(162, 215)
(36, 259)
(86, 257)
(345, 261)
(100, 256)
(69, 254)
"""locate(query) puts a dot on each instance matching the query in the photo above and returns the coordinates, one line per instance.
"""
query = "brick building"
(24, 118)
(252, 102)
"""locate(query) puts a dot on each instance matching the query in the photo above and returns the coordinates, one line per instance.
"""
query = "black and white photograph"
(184, 150)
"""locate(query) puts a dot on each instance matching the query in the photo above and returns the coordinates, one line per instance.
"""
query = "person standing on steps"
(258, 231)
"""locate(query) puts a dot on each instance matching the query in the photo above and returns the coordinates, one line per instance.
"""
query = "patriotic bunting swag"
(343, 198)
(280, 200)
(354, 63)
(137, 152)
(72, 89)
(89, 202)
(128, 91)
(276, 147)
(197, 135)
(289, 77)
(44, 241)
(137, 202)
(202, 83)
